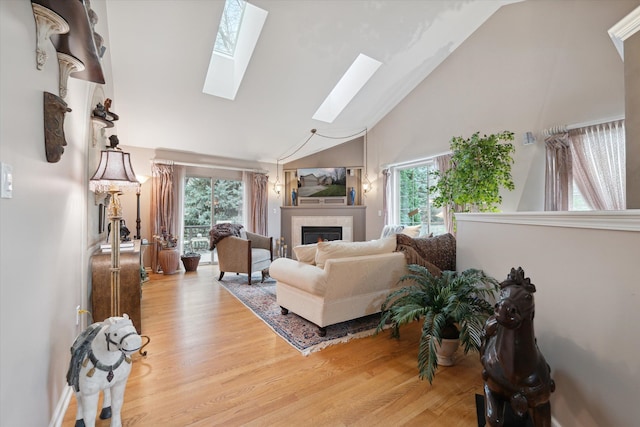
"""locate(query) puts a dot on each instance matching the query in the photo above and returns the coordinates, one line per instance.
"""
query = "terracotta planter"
(190, 262)
(169, 260)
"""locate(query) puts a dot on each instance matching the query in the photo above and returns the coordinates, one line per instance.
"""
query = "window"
(229, 28)
(209, 201)
(413, 201)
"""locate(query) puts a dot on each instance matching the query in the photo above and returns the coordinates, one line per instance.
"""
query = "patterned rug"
(300, 333)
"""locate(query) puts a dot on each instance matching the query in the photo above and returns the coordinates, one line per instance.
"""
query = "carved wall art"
(54, 110)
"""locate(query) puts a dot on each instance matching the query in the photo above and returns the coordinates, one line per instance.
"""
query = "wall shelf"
(47, 23)
(67, 25)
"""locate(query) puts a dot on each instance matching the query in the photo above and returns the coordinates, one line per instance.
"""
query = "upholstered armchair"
(239, 255)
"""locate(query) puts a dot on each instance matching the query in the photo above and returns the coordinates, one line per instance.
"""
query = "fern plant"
(452, 305)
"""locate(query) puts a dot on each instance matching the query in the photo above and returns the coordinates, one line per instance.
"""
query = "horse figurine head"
(515, 303)
(100, 362)
(121, 335)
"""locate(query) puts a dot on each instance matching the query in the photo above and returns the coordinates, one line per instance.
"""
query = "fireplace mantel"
(356, 215)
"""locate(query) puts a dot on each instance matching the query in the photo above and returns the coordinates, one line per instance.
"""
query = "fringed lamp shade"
(114, 170)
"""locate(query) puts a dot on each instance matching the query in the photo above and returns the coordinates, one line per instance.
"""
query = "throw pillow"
(412, 230)
(306, 253)
(333, 250)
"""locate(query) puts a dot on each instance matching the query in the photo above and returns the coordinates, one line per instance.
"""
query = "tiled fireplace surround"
(297, 222)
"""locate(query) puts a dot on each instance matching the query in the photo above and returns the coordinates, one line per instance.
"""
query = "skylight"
(230, 23)
(240, 27)
(349, 85)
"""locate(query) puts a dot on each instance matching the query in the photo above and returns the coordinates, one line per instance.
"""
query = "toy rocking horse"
(100, 361)
(515, 371)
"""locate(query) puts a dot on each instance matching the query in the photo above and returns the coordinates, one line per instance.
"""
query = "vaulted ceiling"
(160, 52)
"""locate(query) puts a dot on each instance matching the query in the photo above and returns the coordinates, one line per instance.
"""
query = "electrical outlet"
(77, 315)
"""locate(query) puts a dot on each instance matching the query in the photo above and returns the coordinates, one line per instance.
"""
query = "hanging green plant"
(480, 167)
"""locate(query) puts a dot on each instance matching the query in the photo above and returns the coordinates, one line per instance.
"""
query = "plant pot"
(447, 351)
(169, 260)
(190, 261)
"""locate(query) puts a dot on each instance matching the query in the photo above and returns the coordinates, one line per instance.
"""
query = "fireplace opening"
(318, 234)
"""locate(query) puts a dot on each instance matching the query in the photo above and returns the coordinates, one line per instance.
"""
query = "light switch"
(6, 181)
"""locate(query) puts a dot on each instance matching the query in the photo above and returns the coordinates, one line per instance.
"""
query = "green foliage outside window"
(414, 193)
(228, 201)
(197, 201)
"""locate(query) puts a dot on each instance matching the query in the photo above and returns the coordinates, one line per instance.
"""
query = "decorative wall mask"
(54, 110)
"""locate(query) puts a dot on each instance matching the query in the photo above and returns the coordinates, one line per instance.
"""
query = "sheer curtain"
(558, 174)
(599, 164)
(443, 163)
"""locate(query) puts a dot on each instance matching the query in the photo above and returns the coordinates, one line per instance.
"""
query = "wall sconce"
(277, 186)
(366, 185)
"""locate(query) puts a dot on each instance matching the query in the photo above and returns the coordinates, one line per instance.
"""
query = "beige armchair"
(238, 255)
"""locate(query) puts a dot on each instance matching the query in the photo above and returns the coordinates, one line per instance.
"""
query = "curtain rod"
(564, 128)
(412, 162)
(209, 166)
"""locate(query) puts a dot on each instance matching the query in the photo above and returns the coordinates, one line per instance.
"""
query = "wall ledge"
(628, 220)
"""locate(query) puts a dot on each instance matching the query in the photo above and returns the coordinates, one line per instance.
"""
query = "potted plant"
(190, 259)
(168, 257)
(480, 167)
(453, 306)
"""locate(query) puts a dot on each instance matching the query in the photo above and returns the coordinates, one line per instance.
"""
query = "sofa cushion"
(438, 250)
(339, 249)
(306, 253)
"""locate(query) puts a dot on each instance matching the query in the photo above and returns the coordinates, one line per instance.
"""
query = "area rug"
(300, 333)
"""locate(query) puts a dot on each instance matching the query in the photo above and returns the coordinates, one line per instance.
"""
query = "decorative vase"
(169, 260)
(294, 198)
(190, 261)
(446, 351)
(352, 196)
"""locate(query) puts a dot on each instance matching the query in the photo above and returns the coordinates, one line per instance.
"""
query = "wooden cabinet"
(130, 286)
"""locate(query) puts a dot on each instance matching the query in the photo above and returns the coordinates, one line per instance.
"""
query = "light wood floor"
(212, 362)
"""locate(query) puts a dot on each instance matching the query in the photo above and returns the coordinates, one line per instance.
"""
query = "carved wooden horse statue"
(514, 369)
(100, 362)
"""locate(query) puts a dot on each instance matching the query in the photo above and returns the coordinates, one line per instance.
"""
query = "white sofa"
(337, 281)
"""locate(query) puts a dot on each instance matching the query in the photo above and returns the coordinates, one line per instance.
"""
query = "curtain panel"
(386, 194)
(443, 163)
(166, 204)
(558, 190)
(259, 205)
(599, 168)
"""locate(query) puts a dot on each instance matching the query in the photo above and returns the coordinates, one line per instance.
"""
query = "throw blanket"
(436, 254)
(220, 231)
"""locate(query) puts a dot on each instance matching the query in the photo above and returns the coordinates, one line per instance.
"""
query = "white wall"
(532, 65)
(587, 302)
(44, 244)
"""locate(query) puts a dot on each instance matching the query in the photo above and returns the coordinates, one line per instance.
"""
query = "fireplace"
(344, 222)
(313, 234)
